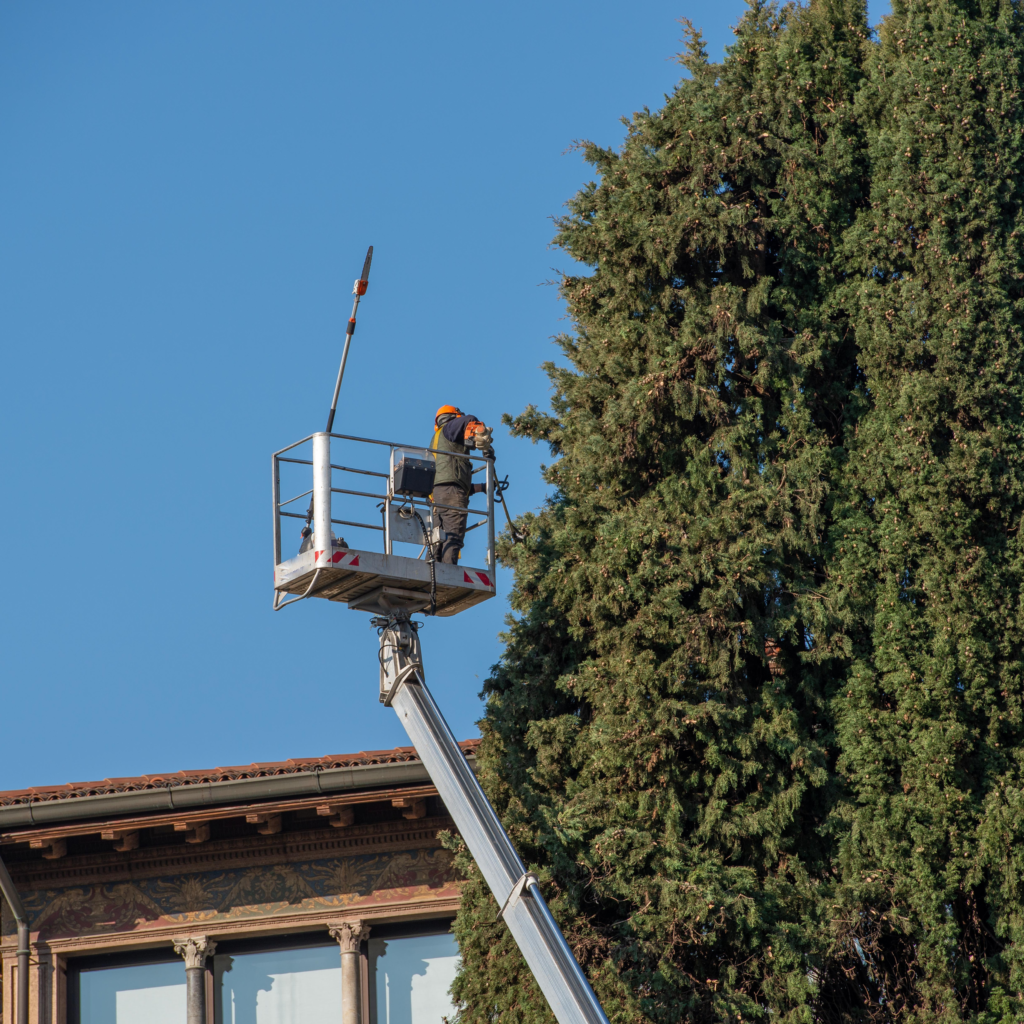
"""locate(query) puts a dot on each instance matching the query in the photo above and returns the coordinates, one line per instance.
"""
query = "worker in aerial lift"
(454, 431)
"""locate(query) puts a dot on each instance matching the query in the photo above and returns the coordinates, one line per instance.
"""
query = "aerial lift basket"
(395, 575)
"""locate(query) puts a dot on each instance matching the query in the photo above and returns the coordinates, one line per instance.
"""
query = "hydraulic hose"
(408, 514)
(500, 486)
(301, 597)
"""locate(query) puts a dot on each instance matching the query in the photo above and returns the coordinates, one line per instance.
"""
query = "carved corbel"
(341, 815)
(269, 824)
(53, 849)
(123, 841)
(195, 832)
(412, 807)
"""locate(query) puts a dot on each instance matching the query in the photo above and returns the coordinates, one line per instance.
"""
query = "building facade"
(268, 894)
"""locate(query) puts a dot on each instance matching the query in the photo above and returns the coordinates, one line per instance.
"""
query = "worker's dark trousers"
(453, 523)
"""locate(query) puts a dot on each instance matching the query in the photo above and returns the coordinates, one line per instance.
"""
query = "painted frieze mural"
(238, 893)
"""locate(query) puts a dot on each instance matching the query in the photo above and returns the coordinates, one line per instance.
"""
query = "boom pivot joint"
(401, 658)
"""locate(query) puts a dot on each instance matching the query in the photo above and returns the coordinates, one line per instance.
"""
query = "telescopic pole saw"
(358, 290)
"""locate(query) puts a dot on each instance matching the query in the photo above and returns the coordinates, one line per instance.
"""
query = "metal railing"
(354, 501)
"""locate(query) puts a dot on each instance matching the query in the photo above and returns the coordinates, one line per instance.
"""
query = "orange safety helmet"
(446, 409)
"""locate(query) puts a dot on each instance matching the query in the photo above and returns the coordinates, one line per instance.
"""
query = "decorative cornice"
(195, 949)
(281, 848)
(349, 933)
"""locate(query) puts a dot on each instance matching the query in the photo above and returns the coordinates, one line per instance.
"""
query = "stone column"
(349, 934)
(195, 949)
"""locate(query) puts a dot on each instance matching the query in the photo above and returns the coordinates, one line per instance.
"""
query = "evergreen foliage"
(756, 726)
(926, 558)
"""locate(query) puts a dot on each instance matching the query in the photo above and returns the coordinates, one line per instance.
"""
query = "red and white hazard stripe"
(339, 560)
(475, 578)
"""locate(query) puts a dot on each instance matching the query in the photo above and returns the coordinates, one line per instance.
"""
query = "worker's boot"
(450, 551)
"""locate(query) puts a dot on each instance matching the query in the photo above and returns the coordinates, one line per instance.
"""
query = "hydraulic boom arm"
(563, 983)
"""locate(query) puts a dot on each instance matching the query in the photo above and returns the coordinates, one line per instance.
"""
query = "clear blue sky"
(187, 192)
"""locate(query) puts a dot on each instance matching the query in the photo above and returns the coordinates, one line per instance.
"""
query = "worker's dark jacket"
(450, 438)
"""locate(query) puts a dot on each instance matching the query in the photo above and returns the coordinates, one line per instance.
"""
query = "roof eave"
(211, 794)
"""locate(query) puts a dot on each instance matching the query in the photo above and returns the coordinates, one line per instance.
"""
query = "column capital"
(195, 949)
(349, 933)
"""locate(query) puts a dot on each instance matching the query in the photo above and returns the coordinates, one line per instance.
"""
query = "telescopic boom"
(516, 890)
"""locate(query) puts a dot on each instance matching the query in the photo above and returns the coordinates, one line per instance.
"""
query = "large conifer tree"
(926, 553)
(656, 737)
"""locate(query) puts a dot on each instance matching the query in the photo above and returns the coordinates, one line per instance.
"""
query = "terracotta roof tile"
(194, 777)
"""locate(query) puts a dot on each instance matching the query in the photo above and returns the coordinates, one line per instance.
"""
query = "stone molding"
(195, 949)
(290, 924)
(349, 934)
(154, 862)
